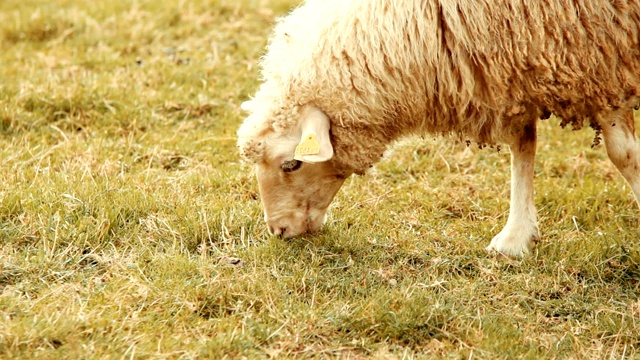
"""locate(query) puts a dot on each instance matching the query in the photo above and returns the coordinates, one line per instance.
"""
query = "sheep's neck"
(358, 148)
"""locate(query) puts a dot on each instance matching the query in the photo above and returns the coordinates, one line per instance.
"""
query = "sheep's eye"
(291, 165)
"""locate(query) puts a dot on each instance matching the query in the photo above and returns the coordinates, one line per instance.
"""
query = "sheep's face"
(296, 176)
(296, 195)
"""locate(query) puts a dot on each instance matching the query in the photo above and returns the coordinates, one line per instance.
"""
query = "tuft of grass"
(130, 228)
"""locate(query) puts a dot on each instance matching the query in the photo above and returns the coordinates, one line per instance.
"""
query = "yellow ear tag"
(310, 146)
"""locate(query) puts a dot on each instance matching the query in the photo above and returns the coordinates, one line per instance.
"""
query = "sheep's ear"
(315, 142)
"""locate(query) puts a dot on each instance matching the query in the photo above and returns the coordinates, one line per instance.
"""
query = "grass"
(129, 228)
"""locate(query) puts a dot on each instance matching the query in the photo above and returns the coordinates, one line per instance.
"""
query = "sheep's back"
(467, 67)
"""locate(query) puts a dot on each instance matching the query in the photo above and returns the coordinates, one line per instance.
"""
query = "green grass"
(129, 227)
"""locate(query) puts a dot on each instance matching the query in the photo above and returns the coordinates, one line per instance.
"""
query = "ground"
(129, 227)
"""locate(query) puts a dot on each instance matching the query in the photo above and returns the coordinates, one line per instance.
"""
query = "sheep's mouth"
(287, 227)
(287, 232)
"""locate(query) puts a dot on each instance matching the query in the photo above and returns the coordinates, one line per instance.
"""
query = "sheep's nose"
(287, 227)
(277, 227)
(277, 230)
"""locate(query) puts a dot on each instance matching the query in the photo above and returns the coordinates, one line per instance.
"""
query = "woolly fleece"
(481, 69)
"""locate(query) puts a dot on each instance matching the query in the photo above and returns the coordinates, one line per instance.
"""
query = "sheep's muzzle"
(296, 202)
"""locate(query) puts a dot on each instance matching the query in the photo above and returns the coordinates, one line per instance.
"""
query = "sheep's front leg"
(622, 148)
(521, 230)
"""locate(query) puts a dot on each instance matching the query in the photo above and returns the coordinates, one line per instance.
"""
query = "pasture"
(129, 227)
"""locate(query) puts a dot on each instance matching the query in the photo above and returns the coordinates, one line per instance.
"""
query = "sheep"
(342, 80)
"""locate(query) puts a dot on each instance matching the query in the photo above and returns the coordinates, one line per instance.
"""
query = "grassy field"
(129, 227)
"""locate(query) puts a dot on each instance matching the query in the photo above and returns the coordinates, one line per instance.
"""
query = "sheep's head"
(296, 174)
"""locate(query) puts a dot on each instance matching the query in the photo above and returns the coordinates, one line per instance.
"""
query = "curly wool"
(479, 69)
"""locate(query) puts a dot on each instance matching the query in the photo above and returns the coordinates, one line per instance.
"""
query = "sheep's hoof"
(514, 242)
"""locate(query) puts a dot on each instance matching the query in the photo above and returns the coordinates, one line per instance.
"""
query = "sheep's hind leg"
(521, 230)
(623, 149)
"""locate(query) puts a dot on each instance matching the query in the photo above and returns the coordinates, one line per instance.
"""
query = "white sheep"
(344, 79)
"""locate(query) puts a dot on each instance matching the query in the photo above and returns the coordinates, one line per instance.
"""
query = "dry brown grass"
(130, 229)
